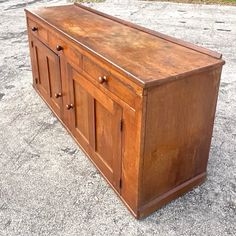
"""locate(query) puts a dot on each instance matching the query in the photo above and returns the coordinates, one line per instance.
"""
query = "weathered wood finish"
(140, 104)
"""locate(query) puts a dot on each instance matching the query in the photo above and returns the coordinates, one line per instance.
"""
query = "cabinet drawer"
(38, 30)
(106, 80)
(64, 47)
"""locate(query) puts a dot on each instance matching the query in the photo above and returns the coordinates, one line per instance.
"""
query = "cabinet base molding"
(162, 200)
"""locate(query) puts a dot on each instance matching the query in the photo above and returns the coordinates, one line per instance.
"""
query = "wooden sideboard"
(139, 103)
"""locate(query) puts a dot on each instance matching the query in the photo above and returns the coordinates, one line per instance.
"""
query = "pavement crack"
(7, 224)
(41, 129)
(1, 96)
(226, 30)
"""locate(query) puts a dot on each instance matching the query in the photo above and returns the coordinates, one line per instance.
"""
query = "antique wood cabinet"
(139, 103)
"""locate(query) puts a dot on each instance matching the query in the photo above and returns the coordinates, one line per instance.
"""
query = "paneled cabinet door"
(47, 75)
(96, 123)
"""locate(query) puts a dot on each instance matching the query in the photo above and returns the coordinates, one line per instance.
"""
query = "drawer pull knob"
(57, 95)
(69, 106)
(102, 79)
(34, 29)
(59, 48)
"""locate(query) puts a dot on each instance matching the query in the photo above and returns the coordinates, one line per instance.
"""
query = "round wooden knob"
(34, 28)
(102, 79)
(69, 106)
(57, 95)
(59, 48)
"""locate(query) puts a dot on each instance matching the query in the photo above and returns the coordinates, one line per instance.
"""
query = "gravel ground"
(49, 187)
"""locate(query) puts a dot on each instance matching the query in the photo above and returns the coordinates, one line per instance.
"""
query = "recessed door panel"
(103, 134)
(108, 139)
(42, 66)
(81, 110)
(55, 91)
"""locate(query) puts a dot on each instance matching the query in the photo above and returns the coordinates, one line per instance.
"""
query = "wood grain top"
(146, 56)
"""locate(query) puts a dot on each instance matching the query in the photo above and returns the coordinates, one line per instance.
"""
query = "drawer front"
(63, 47)
(107, 81)
(38, 30)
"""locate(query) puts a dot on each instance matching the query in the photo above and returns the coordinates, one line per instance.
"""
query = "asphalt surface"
(49, 187)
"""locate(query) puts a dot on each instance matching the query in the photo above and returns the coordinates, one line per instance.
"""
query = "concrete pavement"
(49, 187)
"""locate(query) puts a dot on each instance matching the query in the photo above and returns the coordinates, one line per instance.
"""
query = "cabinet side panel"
(179, 123)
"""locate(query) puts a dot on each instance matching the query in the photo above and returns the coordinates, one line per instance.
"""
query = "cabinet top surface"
(145, 55)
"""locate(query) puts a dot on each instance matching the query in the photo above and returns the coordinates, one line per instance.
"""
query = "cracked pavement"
(49, 187)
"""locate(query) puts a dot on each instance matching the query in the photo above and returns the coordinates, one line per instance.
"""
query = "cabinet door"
(47, 75)
(96, 124)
